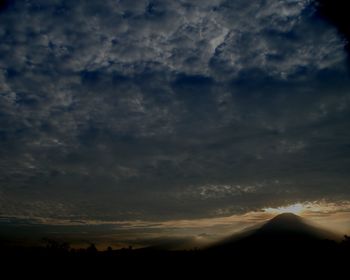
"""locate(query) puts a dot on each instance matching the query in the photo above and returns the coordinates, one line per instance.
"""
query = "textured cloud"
(169, 109)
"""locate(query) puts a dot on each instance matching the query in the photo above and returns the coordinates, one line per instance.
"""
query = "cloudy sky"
(151, 113)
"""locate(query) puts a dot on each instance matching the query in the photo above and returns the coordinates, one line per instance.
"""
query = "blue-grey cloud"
(169, 109)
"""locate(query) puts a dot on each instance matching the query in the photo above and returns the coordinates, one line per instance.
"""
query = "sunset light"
(297, 209)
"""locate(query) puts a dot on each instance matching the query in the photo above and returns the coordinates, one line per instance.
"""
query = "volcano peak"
(287, 217)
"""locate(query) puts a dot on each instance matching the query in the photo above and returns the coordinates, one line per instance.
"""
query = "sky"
(147, 119)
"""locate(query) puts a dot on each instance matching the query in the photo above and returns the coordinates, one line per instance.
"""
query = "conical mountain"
(288, 224)
(285, 229)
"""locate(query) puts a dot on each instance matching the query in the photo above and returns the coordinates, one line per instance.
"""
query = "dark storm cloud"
(169, 109)
(4, 4)
(335, 12)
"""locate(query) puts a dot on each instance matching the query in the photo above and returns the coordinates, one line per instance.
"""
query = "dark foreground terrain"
(283, 247)
(270, 258)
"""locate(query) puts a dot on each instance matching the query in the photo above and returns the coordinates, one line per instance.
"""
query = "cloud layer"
(156, 110)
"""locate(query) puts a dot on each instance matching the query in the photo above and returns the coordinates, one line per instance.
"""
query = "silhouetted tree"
(91, 250)
(346, 242)
(56, 246)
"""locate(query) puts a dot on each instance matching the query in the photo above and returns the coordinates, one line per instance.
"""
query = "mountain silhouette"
(284, 231)
(293, 226)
